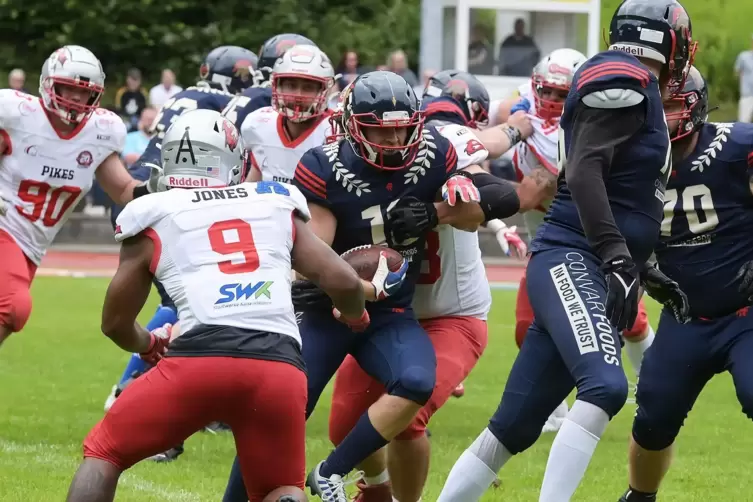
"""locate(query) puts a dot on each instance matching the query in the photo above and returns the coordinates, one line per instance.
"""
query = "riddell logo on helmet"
(630, 49)
(187, 181)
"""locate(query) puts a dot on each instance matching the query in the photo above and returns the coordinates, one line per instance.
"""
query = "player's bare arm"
(323, 225)
(127, 294)
(115, 180)
(314, 259)
(536, 188)
(499, 139)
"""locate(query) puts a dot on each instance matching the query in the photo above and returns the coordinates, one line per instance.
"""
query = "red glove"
(356, 325)
(460, 185)
(158, 342)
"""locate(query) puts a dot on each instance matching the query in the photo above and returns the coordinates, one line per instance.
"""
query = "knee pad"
(20, 310)
(639, 326)
(517, 433)
(415, 383)
(609, 393)
(652, 434)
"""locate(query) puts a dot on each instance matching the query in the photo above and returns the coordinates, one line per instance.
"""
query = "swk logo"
(237, 293)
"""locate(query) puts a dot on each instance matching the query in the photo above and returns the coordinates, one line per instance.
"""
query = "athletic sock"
(360, 442)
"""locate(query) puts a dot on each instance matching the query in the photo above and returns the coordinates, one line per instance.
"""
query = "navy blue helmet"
(275, 47)
(382, 120)
(230, 68)
(464, 88)
(658, 30)
(690, 106)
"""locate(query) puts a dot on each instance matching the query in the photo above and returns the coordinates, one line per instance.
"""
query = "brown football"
(365, 260)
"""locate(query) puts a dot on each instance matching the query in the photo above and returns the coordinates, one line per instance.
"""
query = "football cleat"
(167, 456)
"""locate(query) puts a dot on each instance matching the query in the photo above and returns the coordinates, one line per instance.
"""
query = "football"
(365, 260)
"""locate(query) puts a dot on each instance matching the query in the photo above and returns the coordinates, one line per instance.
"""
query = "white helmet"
(303, 63)
(555, 71)
(71, 66)
(201, 149)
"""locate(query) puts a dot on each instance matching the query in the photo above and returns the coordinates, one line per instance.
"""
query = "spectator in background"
(480, 52)
(744, 70)
(137, 141)
(348, 68)
(398, 63)
(425, 76)
(518, 53)
(130, 100)
(165, 90)
(17, 80)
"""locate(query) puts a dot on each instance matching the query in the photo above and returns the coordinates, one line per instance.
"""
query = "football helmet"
(230, 68)
(554, 72)
(272, 49)
(310, 66)
(201, 149)
(693, 99)
(466, 90)
(71, 66)
(655, 29)
(382, 100)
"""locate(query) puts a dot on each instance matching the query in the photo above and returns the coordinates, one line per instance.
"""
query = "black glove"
(410, 218)
(622, 292)
(745, 275)
(667, 292)
(308, 296)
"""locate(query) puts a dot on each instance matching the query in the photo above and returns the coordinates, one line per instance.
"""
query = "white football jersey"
(223, 255)
(539, 149)
(271, 150)
(453, 278)
(45, 174)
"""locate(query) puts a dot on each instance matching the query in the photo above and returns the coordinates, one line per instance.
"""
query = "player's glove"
(357, 325)
(411, 218)
(745, 276)
(667, 292)
(508, 239)
(5, 203)
(460, 184)
(158, 340)
(622, 292)
(156, 181)
(308, 296)
(385, 282)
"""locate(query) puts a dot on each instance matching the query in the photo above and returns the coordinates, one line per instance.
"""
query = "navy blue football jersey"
(256, 97)
(192, 98)
(359, 196)
(636, 179)
(443, 109)
(708, 216)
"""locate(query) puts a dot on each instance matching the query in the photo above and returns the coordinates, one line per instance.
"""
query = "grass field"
(55, 376)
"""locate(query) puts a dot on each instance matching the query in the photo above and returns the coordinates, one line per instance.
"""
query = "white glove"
(156, 181)
(385, 281)
(508, 239)
(5, 203)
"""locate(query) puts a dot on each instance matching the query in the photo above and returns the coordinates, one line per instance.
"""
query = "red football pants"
(524, 316)
(458, 343)
(263, 402)
(16, 274)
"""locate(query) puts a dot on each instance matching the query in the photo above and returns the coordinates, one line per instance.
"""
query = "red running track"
(104, 263)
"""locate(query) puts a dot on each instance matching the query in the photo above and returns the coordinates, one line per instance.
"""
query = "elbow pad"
(499, 198)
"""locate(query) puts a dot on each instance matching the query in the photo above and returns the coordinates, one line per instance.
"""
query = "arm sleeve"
(596, 135)
(309, 179)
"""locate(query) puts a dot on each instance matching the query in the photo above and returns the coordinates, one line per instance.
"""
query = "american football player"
(600, 230)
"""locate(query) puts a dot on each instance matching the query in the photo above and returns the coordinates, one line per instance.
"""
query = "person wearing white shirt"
(165, 90)
(744, 70)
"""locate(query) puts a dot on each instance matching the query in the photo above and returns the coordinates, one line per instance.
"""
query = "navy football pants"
(570, 344)
(677, 366)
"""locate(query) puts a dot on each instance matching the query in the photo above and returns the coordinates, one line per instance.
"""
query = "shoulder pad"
(11, 103)
(613, 98)
(138, 215)
(469, 149)
(109, 125)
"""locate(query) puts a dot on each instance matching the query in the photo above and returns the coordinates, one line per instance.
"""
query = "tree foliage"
(152, 34)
